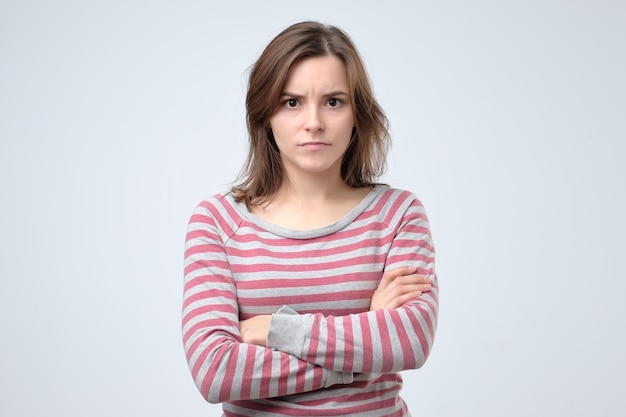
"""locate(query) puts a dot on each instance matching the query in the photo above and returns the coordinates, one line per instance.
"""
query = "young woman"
(309, 287)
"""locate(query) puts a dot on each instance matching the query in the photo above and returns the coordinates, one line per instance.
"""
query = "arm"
(384, 340)
(223, 367)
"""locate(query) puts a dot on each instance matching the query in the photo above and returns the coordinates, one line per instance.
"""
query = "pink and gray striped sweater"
(326, 354)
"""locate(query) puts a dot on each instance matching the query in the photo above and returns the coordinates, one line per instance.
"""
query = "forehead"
(320, 72)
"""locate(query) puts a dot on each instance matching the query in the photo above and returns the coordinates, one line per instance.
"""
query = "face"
(313, 123)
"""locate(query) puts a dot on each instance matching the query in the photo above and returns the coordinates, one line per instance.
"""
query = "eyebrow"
(330, 94)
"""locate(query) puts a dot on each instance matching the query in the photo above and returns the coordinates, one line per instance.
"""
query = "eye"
(292, 102)
(334, 102)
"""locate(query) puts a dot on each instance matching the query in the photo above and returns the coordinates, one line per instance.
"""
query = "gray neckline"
(311, 233)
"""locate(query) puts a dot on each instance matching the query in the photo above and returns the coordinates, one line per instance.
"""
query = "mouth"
(314, 145)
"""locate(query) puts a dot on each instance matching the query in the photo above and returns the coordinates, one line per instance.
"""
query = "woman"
(309, 287)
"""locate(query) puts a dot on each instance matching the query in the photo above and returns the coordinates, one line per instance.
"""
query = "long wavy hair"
(366, 156)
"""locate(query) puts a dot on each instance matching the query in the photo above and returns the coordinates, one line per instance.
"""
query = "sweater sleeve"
(374, 341)
(223, 367)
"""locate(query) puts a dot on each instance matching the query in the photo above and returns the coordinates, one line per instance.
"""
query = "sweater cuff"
(288, 331)
(338, 377)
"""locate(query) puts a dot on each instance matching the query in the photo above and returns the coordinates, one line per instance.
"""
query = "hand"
(397, 287)
(255, 329)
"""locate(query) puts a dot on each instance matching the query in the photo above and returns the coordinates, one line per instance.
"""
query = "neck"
(310, 189)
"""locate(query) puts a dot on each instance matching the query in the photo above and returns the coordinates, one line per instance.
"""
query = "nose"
(313, 120)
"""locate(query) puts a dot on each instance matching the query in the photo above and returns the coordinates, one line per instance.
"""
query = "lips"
(313, 146)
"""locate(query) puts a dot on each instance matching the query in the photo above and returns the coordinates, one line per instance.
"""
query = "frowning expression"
(313, 122)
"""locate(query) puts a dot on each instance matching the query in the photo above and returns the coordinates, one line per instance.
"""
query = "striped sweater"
(326, 354)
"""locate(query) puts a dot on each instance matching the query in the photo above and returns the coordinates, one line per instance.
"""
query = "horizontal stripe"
(333, 356)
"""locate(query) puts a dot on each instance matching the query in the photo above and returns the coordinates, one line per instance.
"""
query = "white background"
(509, 122)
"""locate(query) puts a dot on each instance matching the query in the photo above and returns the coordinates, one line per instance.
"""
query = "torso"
(332, 270)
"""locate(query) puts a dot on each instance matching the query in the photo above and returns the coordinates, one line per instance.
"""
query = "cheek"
(281, 124)
(350, 121)
(348, 126)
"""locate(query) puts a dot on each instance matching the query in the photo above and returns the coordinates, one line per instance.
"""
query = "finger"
(424, 279)
(412, 282)
(420, 286)
(391, 275)
(403, 299)
(401, 290)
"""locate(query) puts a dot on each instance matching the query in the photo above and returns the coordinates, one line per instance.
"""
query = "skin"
(313, 123)
(312, 127)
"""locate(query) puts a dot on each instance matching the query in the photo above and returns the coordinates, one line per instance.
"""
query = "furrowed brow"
(336, 93)
(288, 94)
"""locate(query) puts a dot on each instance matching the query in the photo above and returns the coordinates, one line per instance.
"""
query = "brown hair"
(365, 158)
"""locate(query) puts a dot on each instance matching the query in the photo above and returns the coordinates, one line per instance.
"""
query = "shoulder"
(215, 202)
(220, 211)
(394, 205)
(212, 204)
(396, 199)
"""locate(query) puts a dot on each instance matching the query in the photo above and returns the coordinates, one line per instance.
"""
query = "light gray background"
(508, 119)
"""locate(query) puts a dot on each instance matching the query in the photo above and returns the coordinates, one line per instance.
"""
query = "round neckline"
(281, 231)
